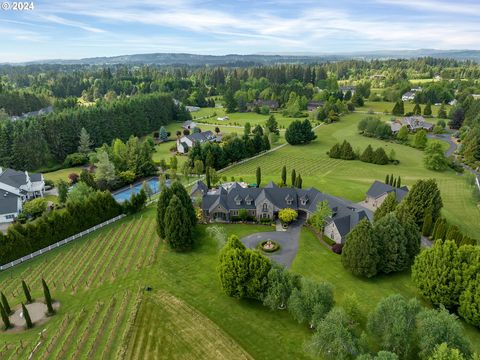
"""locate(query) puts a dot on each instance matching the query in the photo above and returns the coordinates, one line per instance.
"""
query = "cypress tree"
(388, 205)
(5, 304)
(284, 175)
(26, 316)
(427, 225)
(387, 179)
(441, 231)
(391, 179)
(163, 201)
(417, 110)
(178, 231)
(346, 151)
(300, 181)
(26, 292)
(48, 298)
(293, 177)
(259, 176)
(207, 177)
(427, 111)
(5, 319)
(179, 190)
(435, 227)
(399, 182)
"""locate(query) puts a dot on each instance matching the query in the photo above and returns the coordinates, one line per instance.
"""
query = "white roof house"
(15, 188)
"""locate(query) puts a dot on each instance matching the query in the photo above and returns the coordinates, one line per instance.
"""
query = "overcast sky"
(85, 28)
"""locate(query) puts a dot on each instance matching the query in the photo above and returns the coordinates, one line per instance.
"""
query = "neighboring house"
(16, 187)
(395, 127)
(416, 122)
(476, 96)
(223, 118)
(44, 111)
(347, 88)
(189, 125)
(186, 142)
(265, 203)
(272, 104)
(314, 105)
(379, 191)
(408, 96)
(192, 108)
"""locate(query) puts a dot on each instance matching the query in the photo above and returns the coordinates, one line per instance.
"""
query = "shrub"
(337, 248)
(75, 159)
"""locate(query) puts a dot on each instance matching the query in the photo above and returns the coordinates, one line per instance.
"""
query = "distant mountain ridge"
(265, 58)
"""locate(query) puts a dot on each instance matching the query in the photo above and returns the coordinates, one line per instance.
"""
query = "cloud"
(437, 6)
(72, 23)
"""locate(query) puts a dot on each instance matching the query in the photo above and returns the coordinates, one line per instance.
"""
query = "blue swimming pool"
(126, 193)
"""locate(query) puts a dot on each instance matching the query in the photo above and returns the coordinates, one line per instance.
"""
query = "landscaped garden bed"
(268, 246)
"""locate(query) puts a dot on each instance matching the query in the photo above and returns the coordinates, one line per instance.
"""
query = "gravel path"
(448, 139)
(288, 241)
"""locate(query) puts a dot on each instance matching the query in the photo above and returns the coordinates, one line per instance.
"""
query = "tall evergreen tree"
(367, 155)
(5, 303)
(259, 176)
(48, 298)
(272, 125)
(387, 179)
(360, 253)
(293, 177)
(178, 228)
(26, 291)
(26, 316)
(427, 111)
(163, 202)
(388, 205)
(208, 179)
(392, 244)
(84, 144)
(179, 190)
(5, 318)
(427, 225)
(284, 175)
(423, 195)
(417, 110)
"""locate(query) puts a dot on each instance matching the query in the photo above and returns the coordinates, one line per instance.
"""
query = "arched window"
(265, 207)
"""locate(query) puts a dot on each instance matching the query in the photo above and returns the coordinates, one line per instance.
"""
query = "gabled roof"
(13, 178)
(379, 188)
(271, 184)
(8, 202)
(199, 186)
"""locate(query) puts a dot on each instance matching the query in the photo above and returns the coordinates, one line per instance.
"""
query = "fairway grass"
(106, 312)
(351, 179)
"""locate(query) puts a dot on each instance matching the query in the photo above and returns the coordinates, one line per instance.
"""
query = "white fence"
(60, 243)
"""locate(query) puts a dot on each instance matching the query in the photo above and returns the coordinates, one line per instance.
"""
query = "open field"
(107, 314)
(351, 179)
(385, 106)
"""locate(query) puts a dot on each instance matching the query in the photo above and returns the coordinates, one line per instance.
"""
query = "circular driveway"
(288, 241)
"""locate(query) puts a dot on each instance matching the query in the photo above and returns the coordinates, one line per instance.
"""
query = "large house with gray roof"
(379, 191)
(16, 187)
(265, 203)
(186, 142)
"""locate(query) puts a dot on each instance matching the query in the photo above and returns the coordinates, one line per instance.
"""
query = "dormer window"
(289, 202)
(238, 200)
(289, 199)
(265, 207)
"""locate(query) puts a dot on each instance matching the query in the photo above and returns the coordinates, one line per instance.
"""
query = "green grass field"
(386, 107)
(61, 174)
(106, 312)
(351, 179)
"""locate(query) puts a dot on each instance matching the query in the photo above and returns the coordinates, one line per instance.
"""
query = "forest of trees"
(38, 142)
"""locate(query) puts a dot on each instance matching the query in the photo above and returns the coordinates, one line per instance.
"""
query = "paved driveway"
(448, 139)
(288, 241)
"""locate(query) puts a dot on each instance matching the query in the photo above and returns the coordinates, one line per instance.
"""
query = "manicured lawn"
(62, 174)
(385, 106)
(351, 179)
(317, 262)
